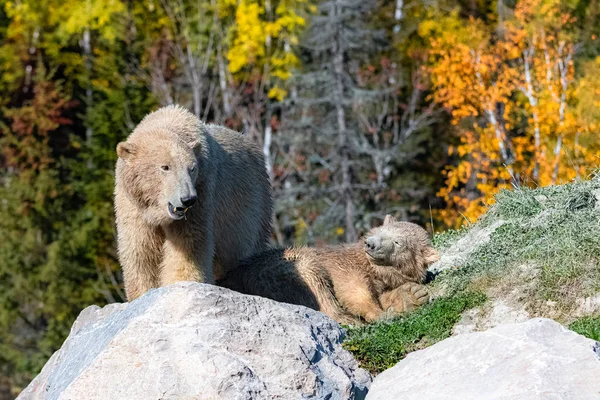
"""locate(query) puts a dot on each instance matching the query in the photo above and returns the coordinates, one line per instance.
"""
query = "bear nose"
(372, 243)
(189, 200)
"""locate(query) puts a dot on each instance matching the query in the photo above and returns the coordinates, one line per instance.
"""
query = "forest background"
(421, 109)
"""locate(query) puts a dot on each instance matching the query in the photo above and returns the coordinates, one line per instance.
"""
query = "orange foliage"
(510, 94)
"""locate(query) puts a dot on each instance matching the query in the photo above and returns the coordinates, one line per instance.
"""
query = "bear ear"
(431, 255)
(125, 150)
(193, 143)
(389, 220)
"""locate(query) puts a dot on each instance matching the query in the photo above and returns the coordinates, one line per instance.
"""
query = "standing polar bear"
(190, 201)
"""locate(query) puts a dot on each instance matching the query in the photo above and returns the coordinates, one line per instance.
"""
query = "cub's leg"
(139, 248)
(322, 288)
(404, 298)
(357, 297)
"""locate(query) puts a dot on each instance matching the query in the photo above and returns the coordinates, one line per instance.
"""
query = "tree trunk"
(343, 143)
(196, 82)
(563, 65)
(267, 140)
(398, 15)
(527, 56)
(223, 83)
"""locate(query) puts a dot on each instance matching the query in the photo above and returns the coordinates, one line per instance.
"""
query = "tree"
(320, 104)
(510, 96)
(347, 124)
(35, 204)
(57, 254)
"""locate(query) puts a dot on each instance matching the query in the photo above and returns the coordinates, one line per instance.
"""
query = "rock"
(587, 306)
(537, 359)
(196, 341)
(459, 252)
(489, 316)
(596, 194)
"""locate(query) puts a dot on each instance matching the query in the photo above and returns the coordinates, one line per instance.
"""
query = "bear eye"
(164, 167)
(193, 168)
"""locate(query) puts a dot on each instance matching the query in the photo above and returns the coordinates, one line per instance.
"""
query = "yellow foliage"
(281, 74)
(277, 93)
(261, 42)
(249, 41)
(79, 15)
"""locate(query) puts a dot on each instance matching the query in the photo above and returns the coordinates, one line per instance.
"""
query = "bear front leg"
(404, 298)
(140, 254)
(357, 297)
(187, 257)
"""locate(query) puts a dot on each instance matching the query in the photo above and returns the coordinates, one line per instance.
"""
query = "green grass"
(381, 345)
(588, 327)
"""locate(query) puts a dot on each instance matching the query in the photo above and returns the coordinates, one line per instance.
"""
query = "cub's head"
(401, 245)
(159, 173)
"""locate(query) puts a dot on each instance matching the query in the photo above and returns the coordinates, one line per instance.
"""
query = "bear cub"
(379, 276)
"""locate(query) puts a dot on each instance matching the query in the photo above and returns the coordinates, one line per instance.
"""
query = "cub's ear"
(431, 255)
(125, 150)
(389, 220)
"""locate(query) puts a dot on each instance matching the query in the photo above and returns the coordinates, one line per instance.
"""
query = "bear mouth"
(176, 213)
(375, 258)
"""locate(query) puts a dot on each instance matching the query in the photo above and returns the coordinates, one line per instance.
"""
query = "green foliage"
(57, 252)
(446, 239)
(588, 327)
(39, 293)
(381, 345)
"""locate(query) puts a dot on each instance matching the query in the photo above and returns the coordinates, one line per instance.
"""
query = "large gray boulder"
(196, 341)
(537, 359)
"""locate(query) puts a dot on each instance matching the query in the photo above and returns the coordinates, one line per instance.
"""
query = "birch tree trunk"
(563, 66)
(529, 93)
(343, 143)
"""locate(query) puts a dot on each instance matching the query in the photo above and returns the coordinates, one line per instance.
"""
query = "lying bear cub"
(364, 281)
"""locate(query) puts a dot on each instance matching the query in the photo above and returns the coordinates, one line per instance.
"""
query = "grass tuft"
(381, 345)
(581, 200)
(588, 327)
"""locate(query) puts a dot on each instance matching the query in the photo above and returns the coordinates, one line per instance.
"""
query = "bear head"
(401, 245)
(158, 171)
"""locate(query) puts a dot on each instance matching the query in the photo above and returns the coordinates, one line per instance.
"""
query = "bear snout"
(372, 243)
(189, 201)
